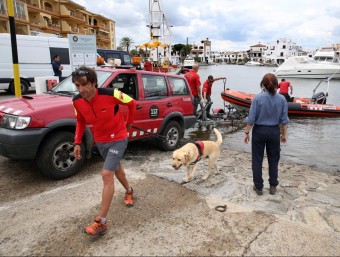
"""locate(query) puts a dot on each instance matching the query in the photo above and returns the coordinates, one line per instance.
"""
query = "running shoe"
(128, 201)
(96, 228)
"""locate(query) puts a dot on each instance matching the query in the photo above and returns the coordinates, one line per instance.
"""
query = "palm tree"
(126, 42)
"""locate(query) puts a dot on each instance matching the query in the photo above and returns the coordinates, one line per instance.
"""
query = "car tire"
(24, 86)
(172, 136)
(55, 158)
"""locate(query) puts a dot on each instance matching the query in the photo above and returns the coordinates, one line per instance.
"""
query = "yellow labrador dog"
(189, 155)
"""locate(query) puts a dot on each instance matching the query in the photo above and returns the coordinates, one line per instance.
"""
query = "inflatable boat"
(314, 106)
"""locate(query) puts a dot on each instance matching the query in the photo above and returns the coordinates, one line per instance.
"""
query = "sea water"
(311, 141)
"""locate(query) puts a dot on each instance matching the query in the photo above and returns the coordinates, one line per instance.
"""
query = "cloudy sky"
(231, 25)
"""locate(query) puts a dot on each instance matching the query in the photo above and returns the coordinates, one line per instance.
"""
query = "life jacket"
(200, 147)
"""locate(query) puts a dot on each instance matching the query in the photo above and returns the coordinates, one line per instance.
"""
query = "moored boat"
(314, 106)
(306, 67)
(253, 63)
(188, 62)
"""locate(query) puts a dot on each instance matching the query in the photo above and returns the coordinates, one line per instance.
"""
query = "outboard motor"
(319, 98)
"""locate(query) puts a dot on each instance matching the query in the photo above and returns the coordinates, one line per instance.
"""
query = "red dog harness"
(200, 147)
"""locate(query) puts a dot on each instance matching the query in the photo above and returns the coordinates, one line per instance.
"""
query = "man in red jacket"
(100, 107)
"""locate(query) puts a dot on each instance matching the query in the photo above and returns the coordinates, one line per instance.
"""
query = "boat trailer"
(227, 115)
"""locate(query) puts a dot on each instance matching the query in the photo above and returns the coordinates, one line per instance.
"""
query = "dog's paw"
(185, 180)
(205, 177)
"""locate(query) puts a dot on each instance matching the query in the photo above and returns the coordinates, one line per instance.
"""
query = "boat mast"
(160, 32)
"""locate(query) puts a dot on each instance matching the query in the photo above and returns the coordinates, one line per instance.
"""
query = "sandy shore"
(175, 219)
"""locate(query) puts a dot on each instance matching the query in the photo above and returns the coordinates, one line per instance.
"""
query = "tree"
(126, 42)
(182, 49)
(134, 52)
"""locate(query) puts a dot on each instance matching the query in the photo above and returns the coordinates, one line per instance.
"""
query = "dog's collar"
(200, 147)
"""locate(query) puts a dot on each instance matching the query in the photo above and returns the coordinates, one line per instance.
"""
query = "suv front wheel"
(55, 158)
(170, 137)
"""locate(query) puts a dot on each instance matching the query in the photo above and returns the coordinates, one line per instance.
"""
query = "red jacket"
(103, 113)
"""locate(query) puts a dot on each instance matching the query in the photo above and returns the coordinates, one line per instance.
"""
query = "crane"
(160, 33)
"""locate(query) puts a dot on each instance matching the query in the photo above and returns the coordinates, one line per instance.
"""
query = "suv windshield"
(67, 85)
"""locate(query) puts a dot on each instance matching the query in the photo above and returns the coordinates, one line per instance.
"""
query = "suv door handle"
(138, 107)
(169, 105)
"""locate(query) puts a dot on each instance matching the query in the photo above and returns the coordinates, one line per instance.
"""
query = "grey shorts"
(112, 153)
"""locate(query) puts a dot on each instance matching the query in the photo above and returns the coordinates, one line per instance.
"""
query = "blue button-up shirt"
(269, 110)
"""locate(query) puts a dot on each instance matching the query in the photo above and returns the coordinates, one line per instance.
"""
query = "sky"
(230, 25)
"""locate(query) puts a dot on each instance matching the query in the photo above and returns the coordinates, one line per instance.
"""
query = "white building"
(229, 57)
(203, 51)
(256, 52)
(277, 52)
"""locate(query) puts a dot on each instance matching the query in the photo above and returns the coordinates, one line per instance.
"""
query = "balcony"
(50, 27)
(104, 38)
(71, 15)
(32, 4)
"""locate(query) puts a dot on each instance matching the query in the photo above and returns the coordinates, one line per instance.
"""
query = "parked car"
(106, 54)
(41, 127)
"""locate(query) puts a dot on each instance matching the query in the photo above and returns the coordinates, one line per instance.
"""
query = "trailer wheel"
(172, 136)
(24, 87)
(55, 158)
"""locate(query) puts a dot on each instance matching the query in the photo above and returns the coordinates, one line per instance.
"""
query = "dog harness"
(200, 147)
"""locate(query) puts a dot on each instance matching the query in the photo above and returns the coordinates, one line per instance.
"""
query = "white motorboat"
(327, 55)
(188, 62)
(253, 63)
(324, 64)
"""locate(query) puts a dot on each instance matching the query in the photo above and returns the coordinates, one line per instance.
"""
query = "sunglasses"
(79, 73)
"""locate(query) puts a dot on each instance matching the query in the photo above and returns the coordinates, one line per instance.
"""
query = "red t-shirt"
(194, 81)
(148, 66)
(207, 88)
(284, 86)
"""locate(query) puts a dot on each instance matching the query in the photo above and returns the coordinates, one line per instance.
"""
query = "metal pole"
(16, 73)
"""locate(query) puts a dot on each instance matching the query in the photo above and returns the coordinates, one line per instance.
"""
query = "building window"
(19, 10)
(284, 47)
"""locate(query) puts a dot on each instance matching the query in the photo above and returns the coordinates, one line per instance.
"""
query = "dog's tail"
(219, 137)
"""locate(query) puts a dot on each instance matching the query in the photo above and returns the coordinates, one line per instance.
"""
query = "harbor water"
(311, 141)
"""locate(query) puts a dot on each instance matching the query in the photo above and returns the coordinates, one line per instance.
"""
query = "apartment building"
(59, 17)
(202, 50)
(280, 50)
(256, 52)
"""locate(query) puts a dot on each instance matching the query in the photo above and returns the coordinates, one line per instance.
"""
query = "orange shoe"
(96, 228)
(128, 201)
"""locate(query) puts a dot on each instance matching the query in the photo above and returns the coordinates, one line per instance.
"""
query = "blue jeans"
(265, 137)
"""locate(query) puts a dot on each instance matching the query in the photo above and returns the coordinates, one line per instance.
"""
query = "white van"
(35, 54)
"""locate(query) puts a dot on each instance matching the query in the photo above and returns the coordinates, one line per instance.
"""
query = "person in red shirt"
(284, 88)
(148, 65)
(195, 85)
(100, 107)
(206, 92)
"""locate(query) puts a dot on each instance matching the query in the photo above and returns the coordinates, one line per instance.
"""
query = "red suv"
(42, 127)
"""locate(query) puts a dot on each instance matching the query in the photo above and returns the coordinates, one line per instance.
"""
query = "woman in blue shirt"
(268, 111)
